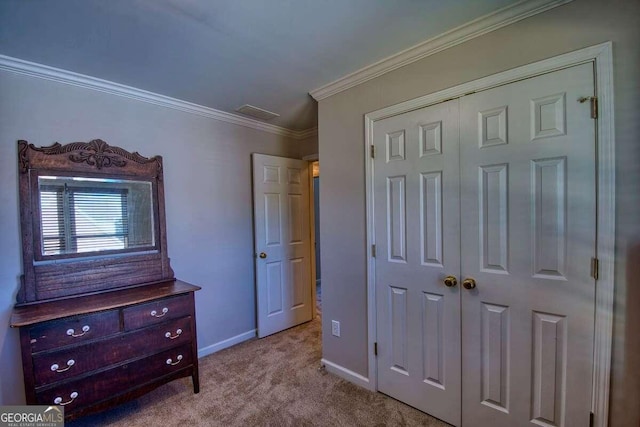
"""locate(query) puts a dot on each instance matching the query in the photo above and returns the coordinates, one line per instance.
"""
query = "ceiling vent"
(257, 113)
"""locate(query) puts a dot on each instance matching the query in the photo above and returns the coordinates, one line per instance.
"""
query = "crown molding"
(32, 69)
(307, 133)
(472, 29)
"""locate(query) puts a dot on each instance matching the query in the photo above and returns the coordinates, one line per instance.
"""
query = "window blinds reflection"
(92, 217)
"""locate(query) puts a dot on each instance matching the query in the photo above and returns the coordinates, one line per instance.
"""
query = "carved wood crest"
(94, 153)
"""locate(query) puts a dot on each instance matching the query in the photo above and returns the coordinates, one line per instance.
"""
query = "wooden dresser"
(102, 318)
(91, 352)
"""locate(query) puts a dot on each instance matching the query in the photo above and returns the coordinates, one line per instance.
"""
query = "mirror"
(81, 216)
(92, 219)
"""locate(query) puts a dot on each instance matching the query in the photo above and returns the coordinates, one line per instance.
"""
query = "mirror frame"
(72, 275)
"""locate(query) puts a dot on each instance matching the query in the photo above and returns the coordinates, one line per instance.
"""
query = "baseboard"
(205, 351)
(346, 374)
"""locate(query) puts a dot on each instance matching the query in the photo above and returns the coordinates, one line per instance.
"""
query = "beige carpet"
(275, 381)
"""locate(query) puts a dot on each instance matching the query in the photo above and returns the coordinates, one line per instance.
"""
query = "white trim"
(371, 261)
(312, 242)
(601, 56)
(32, 69)
(311, 157)
(606, 236)
(221, 345)
(588, 54)
(476, 28)
(308, 133)
(346, 374)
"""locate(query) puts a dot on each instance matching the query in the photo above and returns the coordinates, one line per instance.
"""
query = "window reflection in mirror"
(84, 215)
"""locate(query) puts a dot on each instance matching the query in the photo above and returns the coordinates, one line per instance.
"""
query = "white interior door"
(528, 234)
(498, 187)
(417, 239)
(282, 242)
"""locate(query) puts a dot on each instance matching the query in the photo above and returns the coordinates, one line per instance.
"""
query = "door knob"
(469, 283)
(263, 255)
(450, 281)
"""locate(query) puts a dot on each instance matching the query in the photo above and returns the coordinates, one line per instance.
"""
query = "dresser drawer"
(150, 313)
(59, 365)
(73, 330)
(87, 391)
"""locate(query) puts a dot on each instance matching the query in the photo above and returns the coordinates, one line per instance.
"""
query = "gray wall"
(308, 146)
(570, 27)
(207, 168)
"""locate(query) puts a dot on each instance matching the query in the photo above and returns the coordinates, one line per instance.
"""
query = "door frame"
(312, 235)
(601, 56)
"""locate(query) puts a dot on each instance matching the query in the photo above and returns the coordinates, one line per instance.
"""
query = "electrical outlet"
(335, 328)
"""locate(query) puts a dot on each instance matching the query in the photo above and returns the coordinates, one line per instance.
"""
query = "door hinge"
(595, 267)
(373, 151)
(594, 104)
(591, 416)
(373, 251)
(375, 348)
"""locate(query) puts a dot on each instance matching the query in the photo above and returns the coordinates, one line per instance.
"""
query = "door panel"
(549, 212)
(281, 215)
(549, 366)
(528, 235)
(492, 219)
(275, 295)
(495, 356)
(431, 233)
(272, 219)
(417, 243)
(433, 339)
(397, 219)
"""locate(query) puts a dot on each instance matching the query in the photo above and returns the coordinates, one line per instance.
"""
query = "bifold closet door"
(527, 162)
(416, 206)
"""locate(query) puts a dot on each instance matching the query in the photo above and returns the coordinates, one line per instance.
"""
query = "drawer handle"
(173, 337)
(172, 363)
(58, 400)
(155, 313)
(72, 332)
(56, 368)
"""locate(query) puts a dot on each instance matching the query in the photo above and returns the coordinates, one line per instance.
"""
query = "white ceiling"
(226, 53)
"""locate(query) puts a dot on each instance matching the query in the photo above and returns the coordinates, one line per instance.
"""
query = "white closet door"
(282, 243)
(417, 240)
(528, 234)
